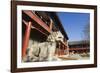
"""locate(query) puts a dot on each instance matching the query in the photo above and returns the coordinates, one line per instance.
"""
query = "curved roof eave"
(60, 25)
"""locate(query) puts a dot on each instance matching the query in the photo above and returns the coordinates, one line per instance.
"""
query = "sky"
(74, 24)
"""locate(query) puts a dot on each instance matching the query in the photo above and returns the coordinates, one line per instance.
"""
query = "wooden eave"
(59, 24)
(37, 22)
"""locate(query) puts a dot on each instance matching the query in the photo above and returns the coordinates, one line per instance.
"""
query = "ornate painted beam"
(33, 27)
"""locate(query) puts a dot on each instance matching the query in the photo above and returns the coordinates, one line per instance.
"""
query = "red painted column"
(59, 49)
(26, 39)
(67, 48)
(51, 24)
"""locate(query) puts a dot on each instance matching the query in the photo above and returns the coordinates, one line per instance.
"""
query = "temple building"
(43, 36)
(79, 46)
